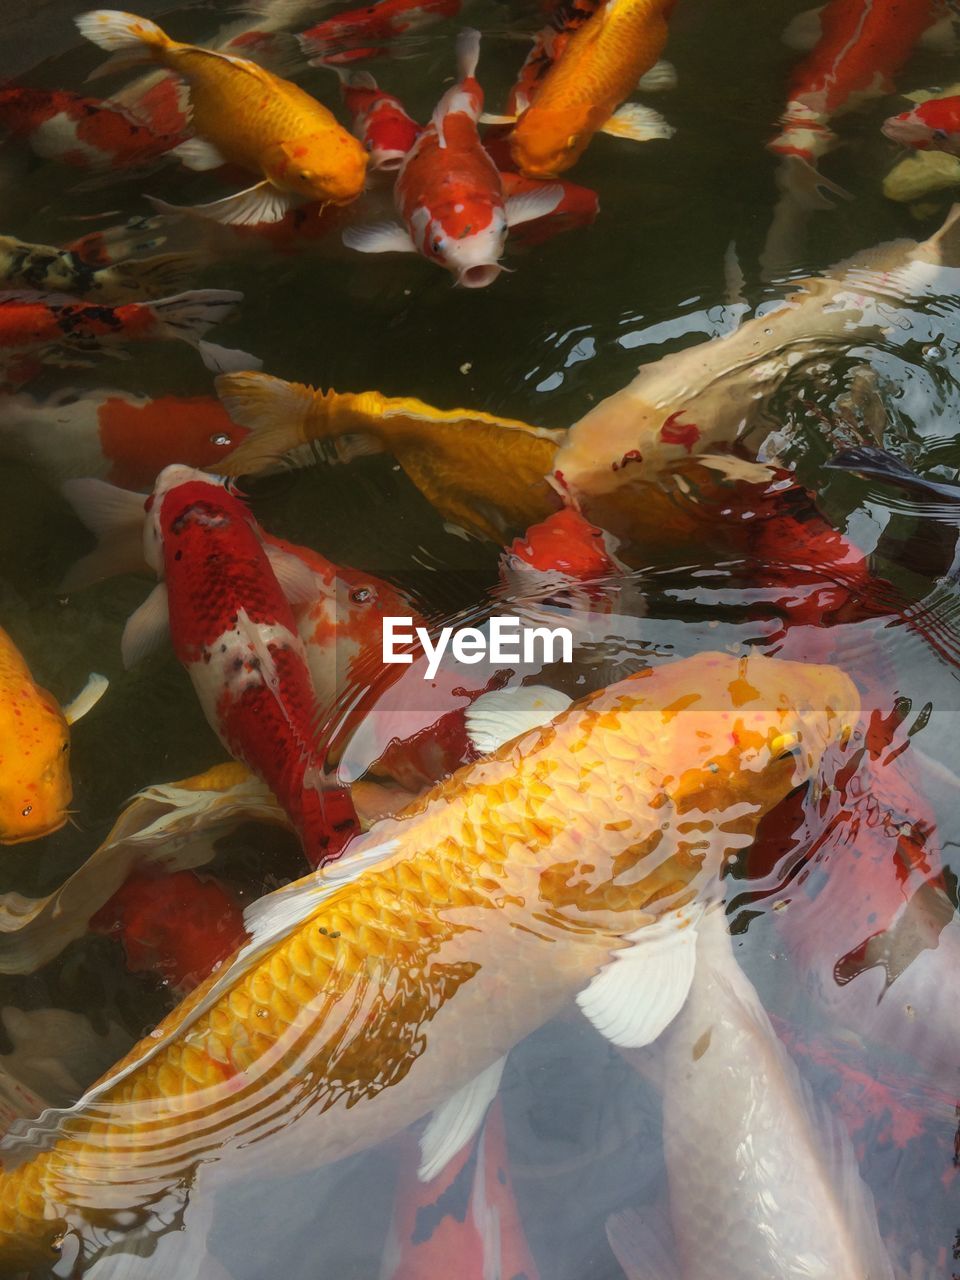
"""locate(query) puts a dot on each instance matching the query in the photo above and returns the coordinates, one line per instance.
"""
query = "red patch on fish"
(141, 439)
(674, 431)
(632, 455)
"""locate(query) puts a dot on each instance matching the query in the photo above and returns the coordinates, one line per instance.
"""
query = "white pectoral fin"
(379, 237)
(260, 203)
(147, 627)
(105, 508)
(499, 716)
(295, 579)
(86, 699)
(198, 154)
(638, 123)
(457, 1121)
(636, 996)
(227, 359)
(642, 1244)
(487, 117)
(532, 205)
(661, 77)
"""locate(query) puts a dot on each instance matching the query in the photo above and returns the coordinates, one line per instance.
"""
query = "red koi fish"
(115, 435)
(464, 1222)
(86, 133)
(38, 322)
(578, 208)
(176, 926)
(233, 629)
(449, 192)
(932, 126)
(361, 33)
(379, 120)
(859, 46)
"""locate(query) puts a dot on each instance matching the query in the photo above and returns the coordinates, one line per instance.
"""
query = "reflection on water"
(277, 1118)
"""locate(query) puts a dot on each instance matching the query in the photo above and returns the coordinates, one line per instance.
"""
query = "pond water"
(678, 255)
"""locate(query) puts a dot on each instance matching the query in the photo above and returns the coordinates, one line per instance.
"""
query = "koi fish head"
(389, 133)
(929, 127)
(546, 143)
(566, 544)
(469, 242)
(35, 786)
(329, 167)
(178, 489)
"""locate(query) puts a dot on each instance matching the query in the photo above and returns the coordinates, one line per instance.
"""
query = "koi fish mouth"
(35, 835)
(389, 161)
(479, 277)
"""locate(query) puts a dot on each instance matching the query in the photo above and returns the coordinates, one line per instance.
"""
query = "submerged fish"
(483, 472)
(44, 267)
(578, 207)
(348, 34)
(35, 784)
(115, 435)
(581, 93)
(84, 132)
(449, 193)
(931, 126)
(245, 115)
(763, 1181)
(386, 984)
(379, 120)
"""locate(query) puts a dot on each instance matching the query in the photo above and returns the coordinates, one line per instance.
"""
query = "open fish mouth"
(480, 276)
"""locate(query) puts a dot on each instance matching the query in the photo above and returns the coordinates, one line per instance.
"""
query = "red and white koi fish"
(931, 126)
(464, 1222)
(115, 435)
(856, 49)
(379, 120)
(449, 192)
(362, 33)
(87, 133)
(233, 629)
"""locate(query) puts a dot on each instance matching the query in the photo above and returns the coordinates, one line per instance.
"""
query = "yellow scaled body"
(483, 472)
(35, 787)
(253, 118)
(375, 989)
(597, 70)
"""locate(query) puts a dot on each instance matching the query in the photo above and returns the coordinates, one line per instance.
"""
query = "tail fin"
(120, 32)
(468, 53)
(139, 279)
(115, 517)
(277, 413)
(188, 316)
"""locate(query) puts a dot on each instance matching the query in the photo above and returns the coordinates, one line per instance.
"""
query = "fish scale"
(419, 969)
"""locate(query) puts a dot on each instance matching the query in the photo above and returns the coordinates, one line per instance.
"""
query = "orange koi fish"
(464, 1222)
(87, 133)
(385, 986)
(245, 115)
(582, 92)
(35, 785)
(449, 193)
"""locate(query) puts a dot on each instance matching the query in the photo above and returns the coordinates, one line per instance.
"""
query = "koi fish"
(386, 984)
(748, 1149)
(234, 631)
(578, 207)
(858, 46)
(464, 1222)
(931, 126)
(86, 133)
(582, 92)
(548, 45)
(439, 449)
(176, 926)
(35, 749)
(48, 269)
(448, 190)
(379, 120)
(115, 435)
(245, 115)
(360, 33)
(33, 322)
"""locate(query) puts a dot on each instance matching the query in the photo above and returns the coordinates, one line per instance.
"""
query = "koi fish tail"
(139, 279)
(138, 39)
(188, 316)
(278, 414)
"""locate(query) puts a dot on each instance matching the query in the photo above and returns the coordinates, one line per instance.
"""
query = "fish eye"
(573, 140)
(26, 811)
(65, 748)
(306, 175)
(939, 135)
(221, 438)
(361, 595)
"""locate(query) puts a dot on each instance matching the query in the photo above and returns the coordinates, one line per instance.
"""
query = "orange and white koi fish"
(464, 1222)
(449, 193)
(87, 133)
(379, 120)
(582, 92)
(246, 116)
(36, 789)
(385, 987)
(361, 33)
(115, 435)
(858, 46)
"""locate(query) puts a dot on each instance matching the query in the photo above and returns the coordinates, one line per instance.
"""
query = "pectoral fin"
(86, 699)
(147, 627)
(295, 578)
(379, 237)
(458, 1120)
(661, 77)
(638, 123)
(260, 203)
(532, 205)
(498, 717)
(198, 154)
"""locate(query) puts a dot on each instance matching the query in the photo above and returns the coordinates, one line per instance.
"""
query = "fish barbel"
(373, 991)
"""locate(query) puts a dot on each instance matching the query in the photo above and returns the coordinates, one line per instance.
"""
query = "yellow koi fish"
(570, 863)
(581, 93)
(483, 472)
(246, 116)
(35, 785)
